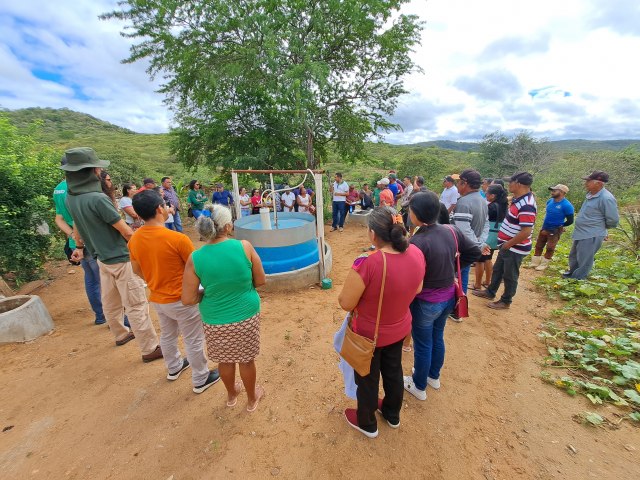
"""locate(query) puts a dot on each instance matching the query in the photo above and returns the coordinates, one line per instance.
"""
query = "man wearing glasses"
(598, 213)
(514, 242)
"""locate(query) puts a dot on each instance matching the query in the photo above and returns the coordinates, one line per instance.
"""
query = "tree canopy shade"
(270, 83)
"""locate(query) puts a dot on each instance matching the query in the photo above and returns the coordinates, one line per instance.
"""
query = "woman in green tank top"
(229, 271)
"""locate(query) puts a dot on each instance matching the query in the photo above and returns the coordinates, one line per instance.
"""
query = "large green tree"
(504, 155)
(271, 83)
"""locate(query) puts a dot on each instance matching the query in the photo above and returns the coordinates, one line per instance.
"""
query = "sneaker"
(340, 229)
(126, 339)
(379, 410)
(100, 321)
(155, 355)
(351, 416)
(333, 229)
(433, 383)
(212, 379)
(455, 318)
(175, 375)
(410, 387)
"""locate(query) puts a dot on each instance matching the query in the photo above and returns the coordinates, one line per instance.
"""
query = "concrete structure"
(23, 318)
(289, 251)
(359, 217)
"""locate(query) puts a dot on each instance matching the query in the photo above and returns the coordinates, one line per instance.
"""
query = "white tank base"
(23, 318)
(298, 279)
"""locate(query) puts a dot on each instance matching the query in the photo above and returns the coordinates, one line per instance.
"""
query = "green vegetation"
(28, 174)
(594, 338)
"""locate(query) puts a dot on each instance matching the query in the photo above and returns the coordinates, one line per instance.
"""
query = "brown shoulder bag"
(356, 349)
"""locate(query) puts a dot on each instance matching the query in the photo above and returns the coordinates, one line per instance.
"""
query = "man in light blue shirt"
(598, 213)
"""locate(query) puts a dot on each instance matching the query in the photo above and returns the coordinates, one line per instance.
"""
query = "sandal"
(239, 388)
(473, 287)
(259, 394)
(406, 348)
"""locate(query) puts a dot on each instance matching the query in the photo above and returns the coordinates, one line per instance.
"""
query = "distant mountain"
(449, 145)
(578, 145)
(592, 145)
(62, 124)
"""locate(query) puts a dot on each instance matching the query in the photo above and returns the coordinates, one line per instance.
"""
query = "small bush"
(28, 174)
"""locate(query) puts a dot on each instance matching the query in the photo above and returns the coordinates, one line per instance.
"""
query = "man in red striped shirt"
(514, 240)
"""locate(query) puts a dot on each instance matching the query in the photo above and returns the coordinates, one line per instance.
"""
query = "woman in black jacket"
(432, 306)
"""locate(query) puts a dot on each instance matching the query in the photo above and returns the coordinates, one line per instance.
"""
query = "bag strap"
(455, 238)
(384, 279)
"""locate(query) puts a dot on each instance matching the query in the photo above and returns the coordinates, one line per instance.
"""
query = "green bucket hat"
(82, 157)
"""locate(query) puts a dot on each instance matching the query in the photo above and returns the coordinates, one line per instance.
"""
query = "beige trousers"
(123, 290)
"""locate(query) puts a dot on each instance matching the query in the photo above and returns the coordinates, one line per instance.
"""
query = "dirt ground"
(81, 407)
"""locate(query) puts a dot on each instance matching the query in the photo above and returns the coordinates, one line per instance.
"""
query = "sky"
(557, 69)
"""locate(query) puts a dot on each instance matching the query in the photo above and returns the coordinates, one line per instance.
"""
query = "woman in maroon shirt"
(361, 293)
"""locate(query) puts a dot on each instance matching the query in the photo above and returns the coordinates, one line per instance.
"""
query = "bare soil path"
(82, 408)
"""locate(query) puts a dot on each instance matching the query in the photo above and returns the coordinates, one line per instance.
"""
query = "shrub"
(28, 174)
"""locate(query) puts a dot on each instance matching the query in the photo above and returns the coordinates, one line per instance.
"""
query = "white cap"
(384, 181)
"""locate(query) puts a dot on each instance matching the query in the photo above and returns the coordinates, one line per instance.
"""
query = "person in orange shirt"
(158, 255)
(386, 195)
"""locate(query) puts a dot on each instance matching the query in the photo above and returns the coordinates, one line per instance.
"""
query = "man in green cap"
(104, 234)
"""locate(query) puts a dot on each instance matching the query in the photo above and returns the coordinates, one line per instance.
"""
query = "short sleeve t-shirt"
(556, 213)
(386, 196)
(289, 199)
(449, 196)
(405, 272)
(126, 202)
(162, 255)
(59, 200)
(340, 188)
(521, 213)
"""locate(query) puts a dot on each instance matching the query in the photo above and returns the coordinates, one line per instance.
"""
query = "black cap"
(598, 175)
(523, 178)
(449, 178)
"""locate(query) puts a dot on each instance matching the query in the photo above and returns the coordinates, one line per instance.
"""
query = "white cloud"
(480, 59)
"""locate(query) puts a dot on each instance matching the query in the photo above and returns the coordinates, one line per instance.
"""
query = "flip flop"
(239, 388)
(406, 349)
(259, 394)
(473, 287)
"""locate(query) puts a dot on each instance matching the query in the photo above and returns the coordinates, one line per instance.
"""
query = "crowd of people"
(421, 243)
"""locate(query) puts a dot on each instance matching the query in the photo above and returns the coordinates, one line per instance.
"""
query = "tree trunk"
(311, 160)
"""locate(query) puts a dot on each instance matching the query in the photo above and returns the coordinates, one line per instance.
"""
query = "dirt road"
(82, 408)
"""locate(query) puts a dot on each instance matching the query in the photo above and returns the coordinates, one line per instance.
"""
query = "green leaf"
(612, 311)
(593, 418)
(635, 416)
(633, 396)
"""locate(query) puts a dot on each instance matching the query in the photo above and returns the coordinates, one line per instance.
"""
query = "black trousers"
(386, 361)
(507, 268)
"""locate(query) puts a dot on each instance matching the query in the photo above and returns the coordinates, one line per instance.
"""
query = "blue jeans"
(196, 213)
(339, 210)
(464, 275)
(428, 321)
(92, 286)
(177, 222)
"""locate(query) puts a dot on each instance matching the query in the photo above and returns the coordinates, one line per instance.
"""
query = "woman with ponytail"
(497, 210)
(229, 271)
(361, 294)
(436, 299)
